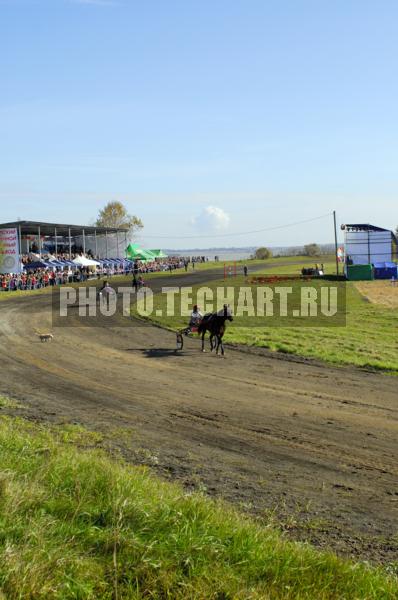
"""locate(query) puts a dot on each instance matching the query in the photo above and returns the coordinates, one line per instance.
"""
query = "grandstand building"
(42, 238)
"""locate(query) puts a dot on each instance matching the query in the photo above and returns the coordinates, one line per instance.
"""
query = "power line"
(224, 235)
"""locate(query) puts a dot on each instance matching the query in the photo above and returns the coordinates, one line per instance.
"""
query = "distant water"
(210, 253)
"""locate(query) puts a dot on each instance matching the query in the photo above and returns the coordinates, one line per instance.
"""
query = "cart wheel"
(179, 341)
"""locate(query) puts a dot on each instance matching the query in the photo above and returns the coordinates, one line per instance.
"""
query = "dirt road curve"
(316, 445)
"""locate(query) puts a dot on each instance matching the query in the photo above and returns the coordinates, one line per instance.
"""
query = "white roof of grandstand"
(32, 227)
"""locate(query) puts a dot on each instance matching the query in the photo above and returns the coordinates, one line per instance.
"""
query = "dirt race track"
(312, 445)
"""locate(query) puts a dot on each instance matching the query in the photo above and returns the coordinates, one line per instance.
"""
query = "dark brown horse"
(215, 324)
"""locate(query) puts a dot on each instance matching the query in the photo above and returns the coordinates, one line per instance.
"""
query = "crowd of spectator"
(28, 259)
(33, 280)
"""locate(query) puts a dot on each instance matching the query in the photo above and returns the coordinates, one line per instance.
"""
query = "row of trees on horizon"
(313, 249)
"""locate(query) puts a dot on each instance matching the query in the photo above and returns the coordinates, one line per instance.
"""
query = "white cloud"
(212, 218)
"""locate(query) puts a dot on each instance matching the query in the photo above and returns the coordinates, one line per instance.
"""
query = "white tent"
(82, 261)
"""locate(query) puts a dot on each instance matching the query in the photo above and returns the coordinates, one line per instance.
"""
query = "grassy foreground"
(77, 524)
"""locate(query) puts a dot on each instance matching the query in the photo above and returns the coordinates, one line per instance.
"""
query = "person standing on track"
(105, 293)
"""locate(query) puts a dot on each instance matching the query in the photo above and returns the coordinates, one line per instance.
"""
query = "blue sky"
(268, 112)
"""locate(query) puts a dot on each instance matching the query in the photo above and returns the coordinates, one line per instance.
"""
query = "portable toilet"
(381, 271)
(359, 272)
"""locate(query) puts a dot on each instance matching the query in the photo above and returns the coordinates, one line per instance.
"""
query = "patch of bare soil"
(380, 292)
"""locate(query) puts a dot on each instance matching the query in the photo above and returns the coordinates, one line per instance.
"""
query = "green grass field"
(76, 524)
(328, 263)
(368, 338)
(293, 264)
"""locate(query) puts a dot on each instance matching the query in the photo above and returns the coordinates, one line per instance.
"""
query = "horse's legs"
(212, 342)
(203, 341)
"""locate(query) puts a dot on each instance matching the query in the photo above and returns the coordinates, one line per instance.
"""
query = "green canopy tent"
(158, 253)
(131, 248)
(147, 254)
(134, 252)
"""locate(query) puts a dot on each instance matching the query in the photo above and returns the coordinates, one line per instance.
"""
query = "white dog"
(45, 337)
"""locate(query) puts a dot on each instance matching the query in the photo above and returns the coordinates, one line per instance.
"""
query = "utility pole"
(335, 242)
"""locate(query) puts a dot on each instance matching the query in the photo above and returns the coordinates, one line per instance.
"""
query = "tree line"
(313, 249)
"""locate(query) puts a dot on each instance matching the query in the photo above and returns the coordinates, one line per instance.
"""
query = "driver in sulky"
(195, 319)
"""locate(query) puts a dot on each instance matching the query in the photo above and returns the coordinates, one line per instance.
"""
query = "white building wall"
(368, 247)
